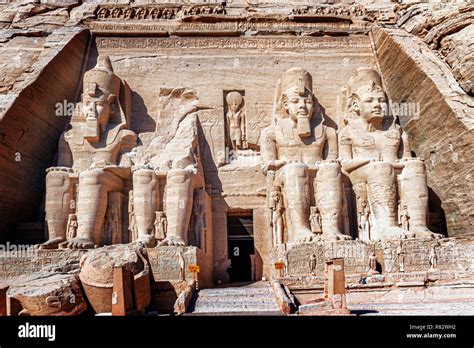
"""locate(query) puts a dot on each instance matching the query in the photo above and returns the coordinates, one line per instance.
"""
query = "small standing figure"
(404, 219)
(181, 264)
(401, 257)
(236, 117)
(313, 264)
(71, 227)
(315, 220)
(160, 225)
(364, 222)
(132, 222)
(433, 258)
(276, 207)
(199, 212)
(373, 264)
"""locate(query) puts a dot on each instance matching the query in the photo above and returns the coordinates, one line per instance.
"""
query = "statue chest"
(382, 145)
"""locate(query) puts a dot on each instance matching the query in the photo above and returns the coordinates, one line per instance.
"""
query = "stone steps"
(236, 300)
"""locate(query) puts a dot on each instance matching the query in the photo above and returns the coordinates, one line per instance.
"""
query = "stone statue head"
(276, 192)
(367, 97)
(234, 101)
(101, 89)
(295, 99)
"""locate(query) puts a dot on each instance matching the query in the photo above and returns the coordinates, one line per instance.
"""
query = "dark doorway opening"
(241, 248)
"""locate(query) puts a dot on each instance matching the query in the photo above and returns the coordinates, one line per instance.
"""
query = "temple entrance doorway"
(241, 247)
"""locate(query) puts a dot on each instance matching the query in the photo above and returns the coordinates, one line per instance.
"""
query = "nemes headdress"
(366, 79)
(101, 82)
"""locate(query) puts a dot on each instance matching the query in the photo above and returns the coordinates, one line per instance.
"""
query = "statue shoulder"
(268, 133)
(345, 136)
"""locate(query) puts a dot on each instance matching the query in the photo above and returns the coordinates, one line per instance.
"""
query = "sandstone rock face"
(55, 290)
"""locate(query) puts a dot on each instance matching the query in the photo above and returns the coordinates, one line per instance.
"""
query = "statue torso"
(291, 148)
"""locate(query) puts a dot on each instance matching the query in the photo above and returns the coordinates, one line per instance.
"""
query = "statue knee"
(91, 177)
(329, 170)
(143, 177)
(178, 176)
(414, 167)
(296, 170)
(56, 178)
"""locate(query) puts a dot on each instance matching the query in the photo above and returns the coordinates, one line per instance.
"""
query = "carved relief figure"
(373, 151)
(312, 264)
(364, 222)
(182, 265)
(71, 227)
(160, 225)
(400, 257)
(292, 150)
(315, 220)
(404, 219)
(90, 155)
(373, 264)
(276, 211)
(236, 120)
(433, 258)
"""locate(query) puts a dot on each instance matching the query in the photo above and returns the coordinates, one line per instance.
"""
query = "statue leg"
(94, 186)
(145, 199)
(297, 201)
(58, 195)
(414, 193)
(329, 199)
(382, 197)
(179, 204)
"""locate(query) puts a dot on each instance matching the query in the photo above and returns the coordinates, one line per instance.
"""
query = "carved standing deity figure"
(160, 225)
(373, 151)
(373, 264)
(236, 119)
(312, 264)
(71, 227)
(182, 265)
(90, 154)
(315, 220)
(400, 256)
(276, 210)
(433, 258)
(292, 148)
(364, 222)
(404, 219)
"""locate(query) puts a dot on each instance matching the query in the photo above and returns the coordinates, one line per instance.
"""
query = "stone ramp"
(253, 299)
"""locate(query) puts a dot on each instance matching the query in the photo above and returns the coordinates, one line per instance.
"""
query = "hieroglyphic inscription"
(154, 43)
(164, 262)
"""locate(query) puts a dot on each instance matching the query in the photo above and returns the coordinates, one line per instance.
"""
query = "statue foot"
(394, 232)
(332, 236)
(172, 241)
(51, 244)
(147, 239)
(425, 233)
(79, 243)
(305, 236)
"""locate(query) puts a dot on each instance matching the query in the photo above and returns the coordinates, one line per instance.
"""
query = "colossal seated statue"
(375, 153)
(173, 156)
(292, 151)
(89, 160)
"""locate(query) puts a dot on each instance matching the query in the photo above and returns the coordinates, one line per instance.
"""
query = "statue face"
(371, 106)
(234, 107)
(298, 106)
(98, 109)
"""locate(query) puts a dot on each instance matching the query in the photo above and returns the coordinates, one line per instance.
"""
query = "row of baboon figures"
(302, 158)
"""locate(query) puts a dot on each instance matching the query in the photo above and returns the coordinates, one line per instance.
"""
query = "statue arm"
(348, 164)
(405, 144)
(332, 143)
(269, 152)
